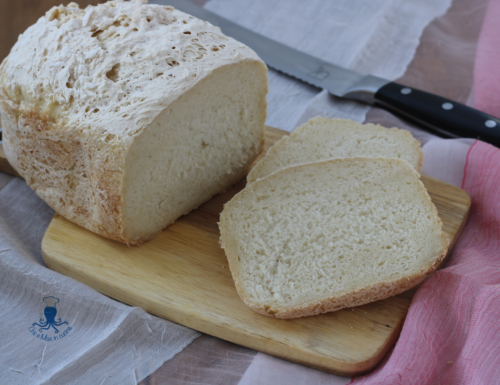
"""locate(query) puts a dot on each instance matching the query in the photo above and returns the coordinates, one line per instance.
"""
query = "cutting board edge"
(457, 236)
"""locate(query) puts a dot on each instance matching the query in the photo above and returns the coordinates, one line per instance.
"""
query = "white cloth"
(450, 155)
(377, 37)
(98, 340)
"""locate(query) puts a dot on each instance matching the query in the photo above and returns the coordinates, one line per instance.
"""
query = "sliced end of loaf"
(198, 147)
(322, 236)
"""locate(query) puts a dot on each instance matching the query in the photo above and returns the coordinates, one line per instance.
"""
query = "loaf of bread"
(324, 138)
(125, 116)
(322, 236)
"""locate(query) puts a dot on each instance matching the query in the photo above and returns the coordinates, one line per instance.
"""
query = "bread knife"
(442, 115)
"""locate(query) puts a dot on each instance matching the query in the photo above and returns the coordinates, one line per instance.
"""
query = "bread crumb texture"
(323, 236)
(322, 138)
(81, 86)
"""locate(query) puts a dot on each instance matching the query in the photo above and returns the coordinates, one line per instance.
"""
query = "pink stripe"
(452, 332)
(487, 64)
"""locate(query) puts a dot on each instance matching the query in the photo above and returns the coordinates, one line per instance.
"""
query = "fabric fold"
(59, 331)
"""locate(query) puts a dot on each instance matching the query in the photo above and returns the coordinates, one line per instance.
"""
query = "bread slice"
(127, 115)
(322, 236)
(324, 138)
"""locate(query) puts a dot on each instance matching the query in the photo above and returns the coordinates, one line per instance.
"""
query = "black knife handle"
(438, 113)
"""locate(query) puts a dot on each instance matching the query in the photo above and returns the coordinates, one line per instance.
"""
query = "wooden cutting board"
(183, 276)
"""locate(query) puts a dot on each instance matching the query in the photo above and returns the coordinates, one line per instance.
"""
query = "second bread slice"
(324, 138)
(322, 236)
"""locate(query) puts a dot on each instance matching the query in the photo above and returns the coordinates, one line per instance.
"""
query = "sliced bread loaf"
(322, 236)
(127, 115)
(324, 138)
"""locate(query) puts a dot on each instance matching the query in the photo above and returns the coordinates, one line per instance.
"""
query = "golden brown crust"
(67, 169)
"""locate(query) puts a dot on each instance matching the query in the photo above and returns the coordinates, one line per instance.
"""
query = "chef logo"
(49, 328)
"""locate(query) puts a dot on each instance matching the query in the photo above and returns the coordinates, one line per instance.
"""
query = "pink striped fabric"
(452, 332)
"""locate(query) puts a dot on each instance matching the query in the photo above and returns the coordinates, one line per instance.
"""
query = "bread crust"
(74, 96)
(68, 170)
(360, 296)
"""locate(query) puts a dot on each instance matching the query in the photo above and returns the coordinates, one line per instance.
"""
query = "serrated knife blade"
(442, 115)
